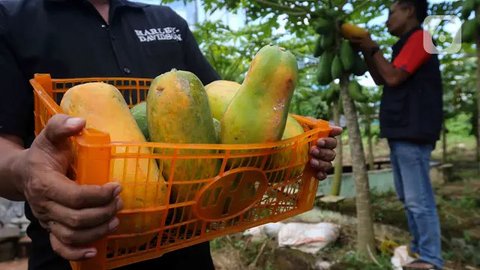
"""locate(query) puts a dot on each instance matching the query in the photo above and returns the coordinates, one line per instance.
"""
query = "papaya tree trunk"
(338, 163)
(368, 133)
(365, 236)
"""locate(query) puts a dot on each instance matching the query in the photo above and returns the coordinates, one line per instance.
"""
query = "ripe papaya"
(337, 68)
(258, 112)
(178, 112)
(104, 109)
(347, 56)
(220, 93)
(139, 112)
(350, 31)
(355, 92)
(216, 124)
(359, 66)
(297, 156)
(324, 74)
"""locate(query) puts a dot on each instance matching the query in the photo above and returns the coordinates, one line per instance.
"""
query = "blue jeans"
(411, 166)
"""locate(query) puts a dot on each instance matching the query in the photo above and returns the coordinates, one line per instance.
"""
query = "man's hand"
(75, 215)
(364, 44)
(323, 153)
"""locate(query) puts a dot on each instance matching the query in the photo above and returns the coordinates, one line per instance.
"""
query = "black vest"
(413, 110)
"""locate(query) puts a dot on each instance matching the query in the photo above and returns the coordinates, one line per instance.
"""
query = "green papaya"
(332, 95)
(328, 40)
(139, 112)
(323, 26)
(337, 68)
(178, 112)
(220, 93)
(318, 48)
(467, 8)
(359, 66)
(258, 112)
(469, 29)
(347, 55)
(324, 74)
(355, 92)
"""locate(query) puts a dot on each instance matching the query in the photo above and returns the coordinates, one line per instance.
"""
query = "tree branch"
(288, 10)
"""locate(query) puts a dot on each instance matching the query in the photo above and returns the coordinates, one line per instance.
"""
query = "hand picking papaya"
(350, 31)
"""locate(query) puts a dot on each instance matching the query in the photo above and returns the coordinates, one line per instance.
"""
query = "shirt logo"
(157, 34)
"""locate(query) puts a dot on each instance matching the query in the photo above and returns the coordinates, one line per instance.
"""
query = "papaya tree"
(300, 20)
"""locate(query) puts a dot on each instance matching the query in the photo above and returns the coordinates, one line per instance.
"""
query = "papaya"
(139, 112)
(347, 56)
(355, 92)
(258, 112)
(324, 74)
(469, 29)
(337, 68)
(298, 156)
(323, 26)
(350, 31)
(216, 125)
(467, 8)
(359, 66)
(104, 109)
(327, 41)
(318, 48)
(220, 93)
(178, 112)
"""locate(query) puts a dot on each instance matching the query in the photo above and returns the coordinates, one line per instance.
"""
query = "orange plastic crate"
(248, 189)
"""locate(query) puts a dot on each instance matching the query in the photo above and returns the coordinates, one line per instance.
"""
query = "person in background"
(411, 119)
(85, 38)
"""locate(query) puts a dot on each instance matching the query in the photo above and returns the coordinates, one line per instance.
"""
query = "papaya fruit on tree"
(324, 73)
(469, 31)
(347, 55)
(318, 48)
(337, 67)
(350, 31)
(359, 65)
(323, 26)
(355, 92)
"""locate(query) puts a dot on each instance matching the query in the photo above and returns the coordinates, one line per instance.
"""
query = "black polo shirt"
(69, 39)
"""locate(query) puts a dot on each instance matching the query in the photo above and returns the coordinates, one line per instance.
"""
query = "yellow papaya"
(220, 93)
(297, 156)
(178, 112)
(104, 109)
(258, 112)
(350, 31)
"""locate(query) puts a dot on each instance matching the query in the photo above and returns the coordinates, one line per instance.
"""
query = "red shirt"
(413, 54)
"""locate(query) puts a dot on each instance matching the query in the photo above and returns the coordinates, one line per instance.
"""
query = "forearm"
(384, 73)
(11, 180)
(372, 68)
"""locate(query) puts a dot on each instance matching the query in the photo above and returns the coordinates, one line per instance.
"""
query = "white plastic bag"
(308, 238)
(400, 257)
